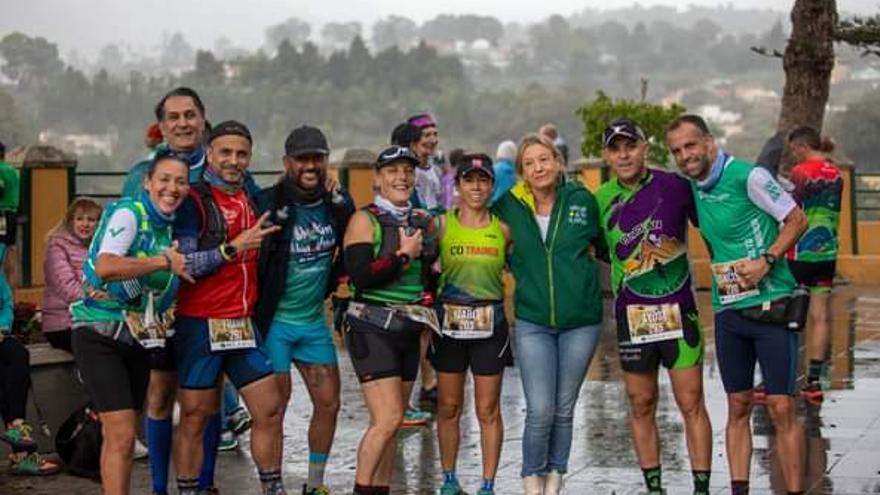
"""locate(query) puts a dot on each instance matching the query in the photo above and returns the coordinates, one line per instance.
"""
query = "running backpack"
(78, 442)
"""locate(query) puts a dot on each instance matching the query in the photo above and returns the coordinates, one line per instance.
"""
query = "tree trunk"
(808, 60)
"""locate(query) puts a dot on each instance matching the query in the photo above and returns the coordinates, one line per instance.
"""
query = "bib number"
(731, 287)
(231, 334)
(149, 329)
(654, 322)
(468, 322)
(419, 314)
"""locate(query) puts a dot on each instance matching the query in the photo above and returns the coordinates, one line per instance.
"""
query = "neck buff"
(214, 180)
(715, 171)
(157, 218)
(401, 213)
(293, 193)
(195, 158)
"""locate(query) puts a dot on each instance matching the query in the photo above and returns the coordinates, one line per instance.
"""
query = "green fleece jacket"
(557, 279)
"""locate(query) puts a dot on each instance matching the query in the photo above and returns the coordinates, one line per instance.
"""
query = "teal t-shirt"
(739, 218)
(311, 255)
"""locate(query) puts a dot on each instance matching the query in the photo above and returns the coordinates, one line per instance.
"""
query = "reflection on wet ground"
(843, 434)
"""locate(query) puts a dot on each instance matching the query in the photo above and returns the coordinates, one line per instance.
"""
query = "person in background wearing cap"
(387, 247)
(644, 213)
(425, 145)
(474, 332)
(505, 169)
(553, 224)
(213, 329)
(748, 222)
(299, 266)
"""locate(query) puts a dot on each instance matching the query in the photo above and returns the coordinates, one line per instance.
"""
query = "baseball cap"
(396, 153)
(230, 128)
(471, 162)
(622, 127)
(422, 121)
(306, 140)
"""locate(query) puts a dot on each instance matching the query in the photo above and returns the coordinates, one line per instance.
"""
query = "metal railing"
(866, 196)
(108, 185)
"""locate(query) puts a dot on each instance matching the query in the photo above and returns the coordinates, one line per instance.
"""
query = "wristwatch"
(769, 258)
(228, 251)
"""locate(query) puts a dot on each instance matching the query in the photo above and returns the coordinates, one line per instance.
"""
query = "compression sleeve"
(367, 272)
(120, 233)
(768, 195)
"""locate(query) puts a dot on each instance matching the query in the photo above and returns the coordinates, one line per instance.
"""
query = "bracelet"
(167, 261)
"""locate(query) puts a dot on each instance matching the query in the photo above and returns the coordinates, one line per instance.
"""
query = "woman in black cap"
(474, 333)
(388, 248)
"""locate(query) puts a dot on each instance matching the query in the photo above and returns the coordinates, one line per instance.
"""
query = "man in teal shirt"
(739, 209)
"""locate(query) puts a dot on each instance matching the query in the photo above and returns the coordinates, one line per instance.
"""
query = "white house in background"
(718, 115)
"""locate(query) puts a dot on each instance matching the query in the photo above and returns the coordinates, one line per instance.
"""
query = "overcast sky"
(86, 25)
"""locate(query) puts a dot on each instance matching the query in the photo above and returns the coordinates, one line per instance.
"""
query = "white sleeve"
(768, 195)
(120, 232)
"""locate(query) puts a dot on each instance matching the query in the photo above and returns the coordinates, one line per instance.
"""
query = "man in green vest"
(740, 208)
(9, 202)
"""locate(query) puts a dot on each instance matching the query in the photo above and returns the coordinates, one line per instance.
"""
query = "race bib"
(468, 322)
(731, 287)
(231, 333)
(149, 329)
(654, 322)
(419, 314)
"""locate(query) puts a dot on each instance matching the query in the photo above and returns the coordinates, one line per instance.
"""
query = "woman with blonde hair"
(558, 303)
(67, 246)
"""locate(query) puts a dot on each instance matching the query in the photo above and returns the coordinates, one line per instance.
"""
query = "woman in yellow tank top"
(473, 247)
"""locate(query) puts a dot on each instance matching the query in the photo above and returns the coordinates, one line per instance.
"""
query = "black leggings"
(15, 378)
(60, 339)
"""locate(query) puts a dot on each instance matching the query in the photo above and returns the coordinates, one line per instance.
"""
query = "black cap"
(230, 128)
(396, 153)
(474, 162)
(622, 127)
(306, 140)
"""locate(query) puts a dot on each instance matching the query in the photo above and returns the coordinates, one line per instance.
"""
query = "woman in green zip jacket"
(558, 303)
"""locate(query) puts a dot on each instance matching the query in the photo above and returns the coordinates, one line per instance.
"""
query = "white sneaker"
(140, 450)
(553, 484)
(533, 485)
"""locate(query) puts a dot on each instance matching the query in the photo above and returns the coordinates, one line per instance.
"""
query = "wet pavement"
(843, 434)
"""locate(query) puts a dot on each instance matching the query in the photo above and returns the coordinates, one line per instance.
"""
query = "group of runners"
(197, 276)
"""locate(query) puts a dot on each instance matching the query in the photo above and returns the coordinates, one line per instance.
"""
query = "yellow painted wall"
(49, 202)
(869, 237)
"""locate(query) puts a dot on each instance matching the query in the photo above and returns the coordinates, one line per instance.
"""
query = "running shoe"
(140, 450)
(33, 464)
(212, 490)
(321, 490)
(759, 395)
(19, 437)
(812, 393)
(451, 488)
(239, 421)
(228, 441)
(415, 417)
(483, 491)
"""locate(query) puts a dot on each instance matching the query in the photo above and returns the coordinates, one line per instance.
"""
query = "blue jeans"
(552, 365)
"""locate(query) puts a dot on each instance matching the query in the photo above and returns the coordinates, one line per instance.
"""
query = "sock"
(796, 493)
(158, 433)
(186, 486)
(449, 477)
(271, 481)
(739, 487)
(362, 489)
(701, 482)
(814, 371)
(317, 463)
(382, 490)
(652, 480)
(210, 441)
(488, 484)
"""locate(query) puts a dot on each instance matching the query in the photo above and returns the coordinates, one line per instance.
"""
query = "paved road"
(843, 434)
